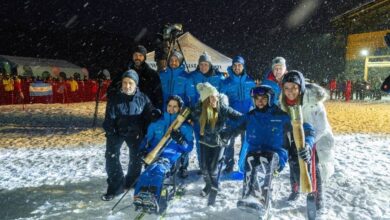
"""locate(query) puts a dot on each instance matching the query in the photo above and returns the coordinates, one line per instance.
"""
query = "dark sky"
(99, 34)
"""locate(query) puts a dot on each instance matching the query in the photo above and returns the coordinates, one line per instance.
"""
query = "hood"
(314, 94)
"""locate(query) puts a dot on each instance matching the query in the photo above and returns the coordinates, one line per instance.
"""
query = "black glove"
(177, 136)
(304, 154)
(225, 137)
(155, 115)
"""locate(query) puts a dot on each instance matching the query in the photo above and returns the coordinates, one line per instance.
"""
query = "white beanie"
(278, 61)
(205, 90)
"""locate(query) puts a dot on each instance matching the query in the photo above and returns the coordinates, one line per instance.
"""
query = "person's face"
(173, 107)
(291, 90)
(261, 101)
(213, 100)
(238, 68)
(174, 62)
(162, 64)
(204, 67)
(128, 85)
(279, 71)
(138, 58)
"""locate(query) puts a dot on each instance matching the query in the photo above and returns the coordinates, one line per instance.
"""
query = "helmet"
(264, 90)
(178, 99)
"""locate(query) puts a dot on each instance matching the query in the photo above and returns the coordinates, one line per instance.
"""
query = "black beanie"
(140, 49)
(294, 76)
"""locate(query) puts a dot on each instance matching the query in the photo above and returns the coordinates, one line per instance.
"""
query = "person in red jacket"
(332, 88)
(348, 90)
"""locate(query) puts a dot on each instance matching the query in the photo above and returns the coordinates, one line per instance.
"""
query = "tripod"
(173, 39)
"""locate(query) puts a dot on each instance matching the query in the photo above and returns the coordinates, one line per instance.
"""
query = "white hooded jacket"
(314, 113)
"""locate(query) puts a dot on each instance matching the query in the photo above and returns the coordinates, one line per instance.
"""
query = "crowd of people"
(223, 107)
(355, 90)
(15, 89)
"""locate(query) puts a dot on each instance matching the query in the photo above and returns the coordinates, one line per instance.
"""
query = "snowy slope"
(65, 183)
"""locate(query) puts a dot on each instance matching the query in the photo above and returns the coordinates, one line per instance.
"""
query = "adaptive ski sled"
(257, 192)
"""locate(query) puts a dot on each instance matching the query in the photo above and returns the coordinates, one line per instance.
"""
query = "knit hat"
(205, 90)
(132, 75)
(205, 57)
(140, 49)
(294, 76)
(178, 55)
(238, 59)
(278, 61)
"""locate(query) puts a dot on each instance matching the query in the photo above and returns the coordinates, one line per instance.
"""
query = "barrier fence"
(25, 92)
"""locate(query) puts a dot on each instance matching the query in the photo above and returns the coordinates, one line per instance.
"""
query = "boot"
(212, 197)
(294, 195)
(206, 190)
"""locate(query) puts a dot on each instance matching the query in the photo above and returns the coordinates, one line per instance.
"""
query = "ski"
(311, 206)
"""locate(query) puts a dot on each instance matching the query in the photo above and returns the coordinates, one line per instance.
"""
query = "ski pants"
(229, 152)
(295, 172)
(210, 159)
(116, 180)
(259, 168)
(152, 179)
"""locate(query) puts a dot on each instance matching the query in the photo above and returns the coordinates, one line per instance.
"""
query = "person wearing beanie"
(126, 113)
(211, 113)
(274, 77)
(237, 87)
(175, 80)
(149, 81)
(315, 125)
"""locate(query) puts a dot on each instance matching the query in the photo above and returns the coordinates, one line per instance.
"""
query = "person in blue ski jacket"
(237, 87)
(267, 132)
(205, 72)
(274, 77)
(176, 81)
(151, 180)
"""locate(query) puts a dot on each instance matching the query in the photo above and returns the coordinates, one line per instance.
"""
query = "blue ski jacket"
(238, 88)
(173, 150)
(214, 77)
(177, 82)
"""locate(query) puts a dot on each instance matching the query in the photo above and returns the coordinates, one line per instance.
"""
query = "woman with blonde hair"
(212, 112)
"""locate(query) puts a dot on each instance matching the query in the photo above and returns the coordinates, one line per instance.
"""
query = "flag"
(40, 89)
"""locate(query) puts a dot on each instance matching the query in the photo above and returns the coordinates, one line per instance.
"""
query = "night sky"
(100, 34)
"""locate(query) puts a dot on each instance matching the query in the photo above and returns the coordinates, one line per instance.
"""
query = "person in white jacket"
(314, 113)
(311, 97)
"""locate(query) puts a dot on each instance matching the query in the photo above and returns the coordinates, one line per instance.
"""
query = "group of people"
(223, 106)
(359, 90)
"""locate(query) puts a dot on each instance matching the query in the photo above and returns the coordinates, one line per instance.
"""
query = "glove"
(225, 137)
(177, 136)
(155, 114)
(304, 154)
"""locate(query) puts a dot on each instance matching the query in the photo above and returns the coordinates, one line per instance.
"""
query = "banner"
(40, 89)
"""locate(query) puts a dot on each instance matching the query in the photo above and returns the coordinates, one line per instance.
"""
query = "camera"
(171, 31)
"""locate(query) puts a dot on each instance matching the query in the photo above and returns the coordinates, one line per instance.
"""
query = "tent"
(192, 49)
(29, 65)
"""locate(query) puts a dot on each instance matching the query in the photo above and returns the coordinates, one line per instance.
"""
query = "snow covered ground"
(66, 183)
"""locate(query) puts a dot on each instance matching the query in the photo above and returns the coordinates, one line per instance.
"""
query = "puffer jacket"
(125, 115)
(314, 113)
(157, 130)
(266, 131)
(177, 82)
(238, 88)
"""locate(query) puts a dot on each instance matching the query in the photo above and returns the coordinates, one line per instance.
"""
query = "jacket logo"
(276, 120)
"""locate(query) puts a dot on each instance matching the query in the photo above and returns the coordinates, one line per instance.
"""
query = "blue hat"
(238, 59)
(132, 75)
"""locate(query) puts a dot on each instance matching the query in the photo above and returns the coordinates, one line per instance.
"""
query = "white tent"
(192, 49)
(39, 65)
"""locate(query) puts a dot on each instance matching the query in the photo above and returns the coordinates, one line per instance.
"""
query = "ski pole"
(123, 196)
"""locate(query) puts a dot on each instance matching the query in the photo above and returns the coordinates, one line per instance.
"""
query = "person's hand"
(177, 136)
(155, 114)
(225, 137)
(304, 154)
